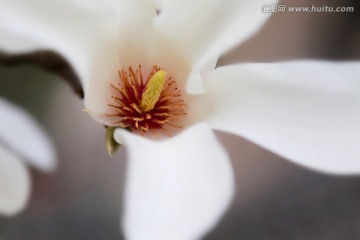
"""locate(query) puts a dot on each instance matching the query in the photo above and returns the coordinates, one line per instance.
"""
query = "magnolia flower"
(178, 187)
(21, 141)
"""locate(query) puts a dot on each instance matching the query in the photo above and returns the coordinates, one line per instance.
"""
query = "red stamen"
(127, 98)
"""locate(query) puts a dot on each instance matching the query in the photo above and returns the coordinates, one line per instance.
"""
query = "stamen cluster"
(163, 116)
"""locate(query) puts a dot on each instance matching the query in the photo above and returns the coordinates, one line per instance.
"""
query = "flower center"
(154, 104)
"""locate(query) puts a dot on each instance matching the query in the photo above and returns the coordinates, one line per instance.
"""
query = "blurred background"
(275, 199)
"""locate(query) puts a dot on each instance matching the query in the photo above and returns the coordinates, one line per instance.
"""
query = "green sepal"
(111, 145)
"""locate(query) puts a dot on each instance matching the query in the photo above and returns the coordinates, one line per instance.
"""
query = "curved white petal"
(306, 111)
(135, 32)
(176, 189)
(97, 37)
(82, 31)
(13, 43)
(134, 29)
(194, 33)
(21, 133)
(67, 27)
(14, 183)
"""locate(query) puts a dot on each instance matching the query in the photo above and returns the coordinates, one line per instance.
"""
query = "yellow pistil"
(152, 91)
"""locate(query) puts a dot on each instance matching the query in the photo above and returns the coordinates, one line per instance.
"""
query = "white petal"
(176, 189)
(82, 31)
(21, 133)
(194, 33)
(67, 27)
(135, 31)
(95, 36)
(14, 183)
(305, 111)
(15, 44)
